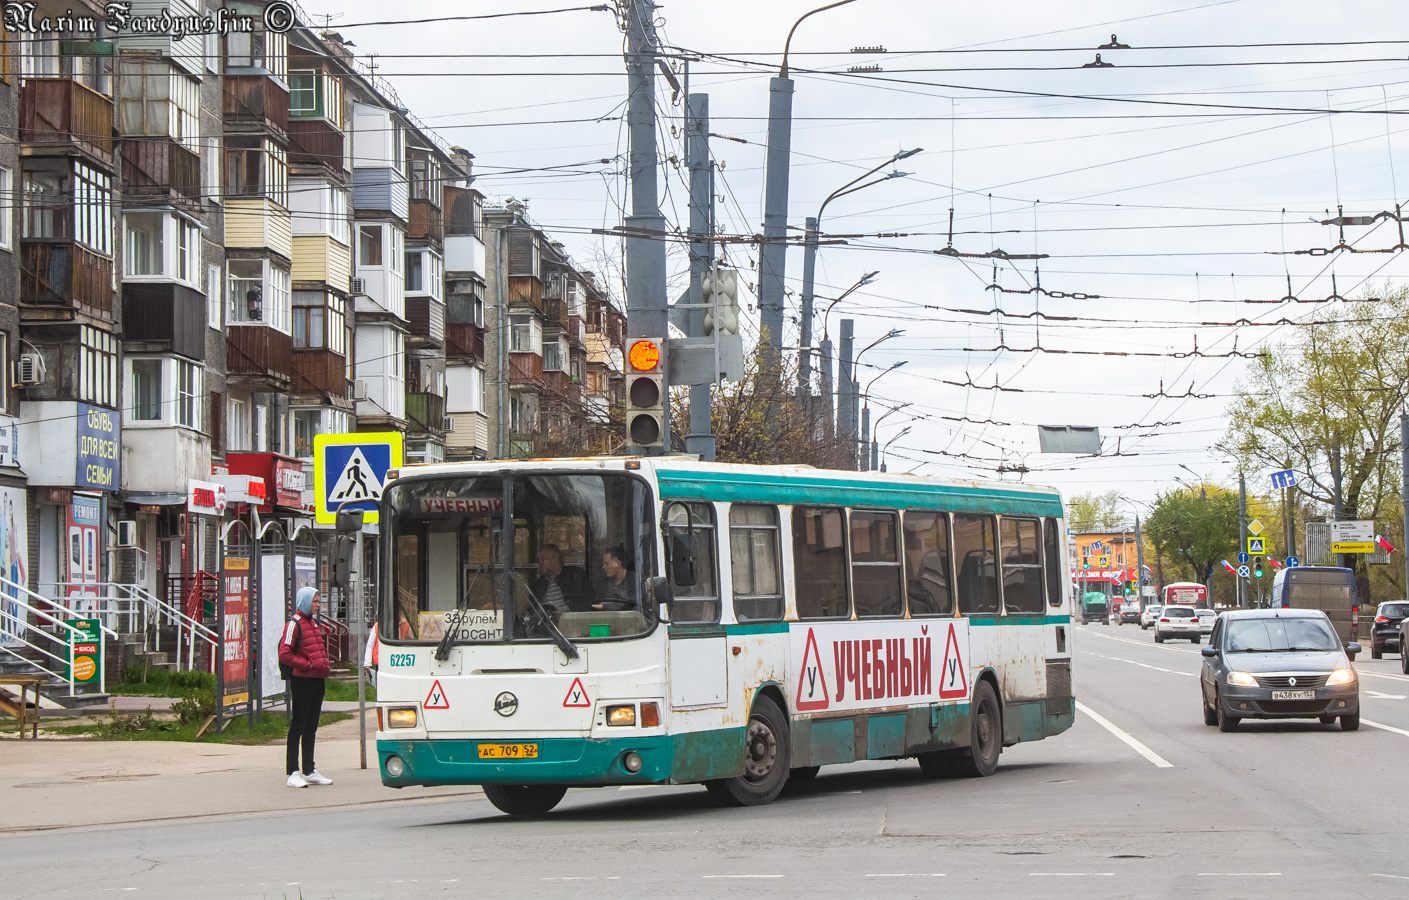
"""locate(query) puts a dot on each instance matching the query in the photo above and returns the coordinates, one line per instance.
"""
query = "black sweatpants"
(307, 706)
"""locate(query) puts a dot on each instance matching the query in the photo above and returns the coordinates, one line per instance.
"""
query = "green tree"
(1191, 535)
(1094, 512)
(1327, 403)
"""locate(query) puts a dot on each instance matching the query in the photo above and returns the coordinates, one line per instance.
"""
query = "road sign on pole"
(1255, 527)
(1353, 537)
(1257, 545)
(1293, 562)
(1284, 479)
(350, 470)
(1243, 571)
(1242, 556)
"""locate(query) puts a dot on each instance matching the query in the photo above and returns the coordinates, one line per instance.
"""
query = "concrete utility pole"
(773, 256)
(864, 444)
(646, 309)
(1139, 562)
(1337, 498)
(1242, 535)
(846, 391)
(501, 353)
(700, 440)
(1404, 475)
(809, 269)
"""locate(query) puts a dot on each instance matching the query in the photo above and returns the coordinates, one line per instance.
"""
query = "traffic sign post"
(1258, 546)
(1284, 479)
(1353, 537)
(1255, 527)
(1243, 571)
(1293, 562)
(350, 470)
(1242, 556)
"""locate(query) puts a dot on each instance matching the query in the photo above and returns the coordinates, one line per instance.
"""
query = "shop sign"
(243, 488)
(205, 498)
(9, 442)
(99, 448)
(86, 651)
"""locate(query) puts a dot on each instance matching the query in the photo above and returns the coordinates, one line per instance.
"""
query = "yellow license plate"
(508, 751)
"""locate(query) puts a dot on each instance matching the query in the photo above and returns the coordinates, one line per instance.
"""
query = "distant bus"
(1186, 593)
(1327, 588)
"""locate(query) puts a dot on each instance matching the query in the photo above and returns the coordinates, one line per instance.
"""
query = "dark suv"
(1384, 634)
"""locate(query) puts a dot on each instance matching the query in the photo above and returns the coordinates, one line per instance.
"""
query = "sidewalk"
(77, 783)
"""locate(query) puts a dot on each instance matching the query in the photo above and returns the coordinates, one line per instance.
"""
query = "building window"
(210, 162)
(307, 423)
(144, 249)
(188, 252)
(256, 167)
(259, 293)
(238, 427)
(214, 297)
(259, 49)
(319, 320)
(212, 52)
(596, 382)
(555, 354)
(165, 391)
(303, 93)
(7, 205)
(148, 237)
(425, 179)
(415, 271)
(93, 209)
(97, 367)
(525, 335)
(369, 245)
(146, 390)
(85, 215)
(338, 227)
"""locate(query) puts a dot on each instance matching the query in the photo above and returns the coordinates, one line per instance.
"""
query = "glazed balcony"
(315, 142)
(66, 275)
(161, 170)
(60, 115)
(257, 100)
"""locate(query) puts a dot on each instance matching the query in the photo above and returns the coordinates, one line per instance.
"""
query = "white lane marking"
(1239, 874)
(1384, 675)
(1383, 875)
(905, 875)
(1143, 643)
(1136, 662)
(1067, 874)
(1135, 745)
(1384, 727)
(741, 876)
(635, 787)
(1378, 696)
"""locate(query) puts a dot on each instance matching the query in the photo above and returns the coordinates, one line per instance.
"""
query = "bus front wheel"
(767, 758)
(524, 799)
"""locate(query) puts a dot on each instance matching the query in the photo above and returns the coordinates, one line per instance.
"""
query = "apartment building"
(219, 246)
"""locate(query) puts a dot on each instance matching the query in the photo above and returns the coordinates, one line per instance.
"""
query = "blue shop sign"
(99, 448)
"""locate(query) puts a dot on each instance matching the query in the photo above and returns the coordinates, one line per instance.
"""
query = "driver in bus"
(620, 590)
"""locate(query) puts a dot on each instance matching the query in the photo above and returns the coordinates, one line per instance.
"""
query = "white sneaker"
(297, 779)
(315, 777)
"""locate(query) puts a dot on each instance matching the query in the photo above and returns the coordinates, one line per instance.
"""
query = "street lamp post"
(865, 441)
(884, 450)
(825, 349)
(772, 258)
(809, 258)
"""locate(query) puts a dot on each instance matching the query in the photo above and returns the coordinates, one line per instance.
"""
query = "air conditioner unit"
(359, 390)
(359, 286)
(447, 423)
(30, 369)
(126, 534)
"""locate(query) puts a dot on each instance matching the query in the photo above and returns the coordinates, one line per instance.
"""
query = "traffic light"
(1257, 567)
(645, 394)
(1084, 563)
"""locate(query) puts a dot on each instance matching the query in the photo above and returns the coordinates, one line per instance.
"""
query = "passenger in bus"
(620, 590)
(561, 589)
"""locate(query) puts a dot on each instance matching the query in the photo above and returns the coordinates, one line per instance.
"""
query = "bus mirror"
(682, 559)
(343, 551)
(658, 591)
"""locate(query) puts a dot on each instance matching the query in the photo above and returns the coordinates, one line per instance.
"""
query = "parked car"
(1150, 616)
(1177, 622)
(1129, 612)
(1384, 634)
(1278, 664)
(1207, 618)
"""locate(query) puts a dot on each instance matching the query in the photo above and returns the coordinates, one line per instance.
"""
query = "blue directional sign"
(1096, 545)
(1283, 479)
(1243, 572)
(1242, 556)
(349, 471)
(1293, 562)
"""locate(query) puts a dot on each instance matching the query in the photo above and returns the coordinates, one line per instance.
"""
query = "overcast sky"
(1171, 192)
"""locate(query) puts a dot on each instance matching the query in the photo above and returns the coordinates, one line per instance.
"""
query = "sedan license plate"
(508, 751)
(1289, 695)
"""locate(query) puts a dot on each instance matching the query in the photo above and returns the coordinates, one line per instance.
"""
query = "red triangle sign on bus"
(812, 681)
(953, 677)
(436, 699)
(577, 695)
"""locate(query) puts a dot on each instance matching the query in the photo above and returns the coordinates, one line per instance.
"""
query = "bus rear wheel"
(767, 758)
(524, 799)
(980, 758)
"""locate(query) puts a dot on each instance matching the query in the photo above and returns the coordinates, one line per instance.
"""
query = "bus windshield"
(570, 559)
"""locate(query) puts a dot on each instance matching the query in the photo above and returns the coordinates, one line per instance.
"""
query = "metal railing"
(43, 641)
(144, 614)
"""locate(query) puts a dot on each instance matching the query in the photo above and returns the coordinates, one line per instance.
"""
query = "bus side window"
(974, 553)
(819, 562)
(927, 581)
(697, 602)
(753, 560)
(875, 564)
(1022, 566)
(1053, 557)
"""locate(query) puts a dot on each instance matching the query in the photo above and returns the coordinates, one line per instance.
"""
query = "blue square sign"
(350, 470)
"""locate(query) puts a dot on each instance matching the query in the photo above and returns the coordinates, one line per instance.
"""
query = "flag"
(1275, 564)
(1229, 567)
(1384, 544)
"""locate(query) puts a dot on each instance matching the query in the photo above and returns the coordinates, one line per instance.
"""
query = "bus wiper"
(447, 640)
(568, 647)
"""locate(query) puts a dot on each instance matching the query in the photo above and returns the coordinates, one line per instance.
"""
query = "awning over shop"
(144, 498)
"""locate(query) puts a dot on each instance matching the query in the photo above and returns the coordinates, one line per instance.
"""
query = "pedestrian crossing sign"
(1258, 546)
(350, 470)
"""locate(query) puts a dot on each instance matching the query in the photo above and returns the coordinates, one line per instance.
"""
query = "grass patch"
(142, 681)
(346, 692)
(144, 726)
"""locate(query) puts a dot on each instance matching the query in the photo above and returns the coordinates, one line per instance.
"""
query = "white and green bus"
(628, 621)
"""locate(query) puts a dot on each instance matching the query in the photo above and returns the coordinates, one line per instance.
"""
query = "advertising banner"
(84, 517)
(99, 448)
(14, 565)
(86, 651)
(273, 613)
(235, 634)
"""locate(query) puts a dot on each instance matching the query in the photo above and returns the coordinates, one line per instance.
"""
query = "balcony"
(426, 316)
(425, 412)
(165, 316)
(561, 386)
(315, 142)
(260, 351)
(526, 290)
(556, 312)
(61, 115)
(256, 100)
(319, 369)
(464, 342)
(525, 369)
(161, 170)
(65, 274)
(425, 222)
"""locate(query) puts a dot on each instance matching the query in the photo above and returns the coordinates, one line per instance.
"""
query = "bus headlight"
(1342, 676)
(394, 766)
(1242, 678)
(621, 715)
(401, 717)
